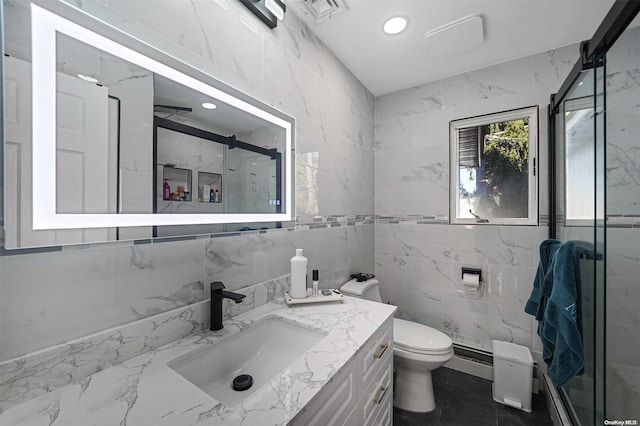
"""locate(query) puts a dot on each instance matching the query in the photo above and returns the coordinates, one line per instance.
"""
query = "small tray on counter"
(335, 296)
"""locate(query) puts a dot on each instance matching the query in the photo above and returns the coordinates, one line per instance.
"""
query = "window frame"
(532, 113)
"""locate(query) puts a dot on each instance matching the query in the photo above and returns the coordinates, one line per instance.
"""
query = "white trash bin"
(512, 375)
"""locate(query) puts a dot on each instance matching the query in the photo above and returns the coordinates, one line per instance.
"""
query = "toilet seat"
(418, 338)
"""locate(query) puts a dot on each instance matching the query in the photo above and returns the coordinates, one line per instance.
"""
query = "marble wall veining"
(55, 297)
(418, 255)
(623, 110)
(27, 377)
(623, 230)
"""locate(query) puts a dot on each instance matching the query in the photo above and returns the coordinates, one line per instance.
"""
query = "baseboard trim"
(479, 363)
(468, 366)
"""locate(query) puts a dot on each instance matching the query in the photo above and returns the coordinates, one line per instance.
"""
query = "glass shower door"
(595, 199)
(577, 202)
(599, 262)
(622, 379)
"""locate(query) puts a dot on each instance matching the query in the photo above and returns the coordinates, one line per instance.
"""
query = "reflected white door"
(82, 153)
(17, 119)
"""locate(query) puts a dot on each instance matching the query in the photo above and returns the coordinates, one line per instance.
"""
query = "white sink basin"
(263, 350)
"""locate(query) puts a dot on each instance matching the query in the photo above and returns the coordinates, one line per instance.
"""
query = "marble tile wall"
(26, 377)
(54, 297)
(623, 232)
(418, 255)
(623, 110)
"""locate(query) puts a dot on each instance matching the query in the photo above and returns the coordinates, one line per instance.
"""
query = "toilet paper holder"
(471, 283)
(472, 271)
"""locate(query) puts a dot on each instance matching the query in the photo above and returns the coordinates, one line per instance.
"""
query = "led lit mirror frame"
(44, 25)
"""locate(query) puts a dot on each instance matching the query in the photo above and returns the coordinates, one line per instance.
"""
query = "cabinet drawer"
(377, 395)
(385, 415)
(375, 354)
(334, 403)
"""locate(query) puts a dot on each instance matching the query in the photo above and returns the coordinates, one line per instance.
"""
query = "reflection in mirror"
(232, 175)
(132, 145)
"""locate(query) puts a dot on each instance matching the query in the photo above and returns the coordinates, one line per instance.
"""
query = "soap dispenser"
(298, 288)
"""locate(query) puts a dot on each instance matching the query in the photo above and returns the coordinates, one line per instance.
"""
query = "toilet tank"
(369, 290)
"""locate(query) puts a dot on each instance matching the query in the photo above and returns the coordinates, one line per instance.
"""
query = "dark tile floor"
(462, 399)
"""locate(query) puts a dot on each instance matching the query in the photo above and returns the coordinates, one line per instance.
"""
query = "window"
(493, 168)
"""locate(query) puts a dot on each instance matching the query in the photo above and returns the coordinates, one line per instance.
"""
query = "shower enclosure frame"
(592, 57)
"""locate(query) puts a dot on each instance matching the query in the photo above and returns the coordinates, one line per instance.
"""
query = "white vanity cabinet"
(375, 375)
(362, 392)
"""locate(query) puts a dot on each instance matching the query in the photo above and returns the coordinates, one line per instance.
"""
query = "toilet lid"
(416, 337)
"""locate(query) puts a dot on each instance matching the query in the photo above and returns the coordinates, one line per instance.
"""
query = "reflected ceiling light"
(395, 25)
(208, 105)
(87, 78)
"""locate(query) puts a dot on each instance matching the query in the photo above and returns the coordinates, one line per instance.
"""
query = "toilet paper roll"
(471, 280)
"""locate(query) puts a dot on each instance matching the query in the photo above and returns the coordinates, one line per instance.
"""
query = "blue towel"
(561, 316)
(544, 279)
(557, 292)
(542, 286)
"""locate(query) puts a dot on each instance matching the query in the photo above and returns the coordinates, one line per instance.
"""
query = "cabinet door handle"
(379, 396)
(380, 352)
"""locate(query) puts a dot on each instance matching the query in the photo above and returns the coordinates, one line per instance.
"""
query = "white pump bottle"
(298, 276)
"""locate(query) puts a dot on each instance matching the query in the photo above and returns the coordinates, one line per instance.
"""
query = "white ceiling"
(512, 29)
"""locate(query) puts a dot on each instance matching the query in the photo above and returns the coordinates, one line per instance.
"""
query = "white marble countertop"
(145, 391)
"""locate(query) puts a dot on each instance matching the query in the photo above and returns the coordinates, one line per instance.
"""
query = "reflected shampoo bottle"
(166, 191)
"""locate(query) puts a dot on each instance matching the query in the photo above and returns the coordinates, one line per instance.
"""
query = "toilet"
(417, 351)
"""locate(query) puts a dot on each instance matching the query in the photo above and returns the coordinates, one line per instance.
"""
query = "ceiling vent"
(455, 37)
(321, 10)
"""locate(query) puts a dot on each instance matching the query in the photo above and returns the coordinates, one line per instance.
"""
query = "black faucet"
(217, 294)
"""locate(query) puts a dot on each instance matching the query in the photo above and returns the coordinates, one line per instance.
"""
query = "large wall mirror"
(108, 138)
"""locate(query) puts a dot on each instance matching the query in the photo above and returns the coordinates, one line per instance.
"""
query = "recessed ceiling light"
(208, 105)
(87, 78)
(395, 25)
